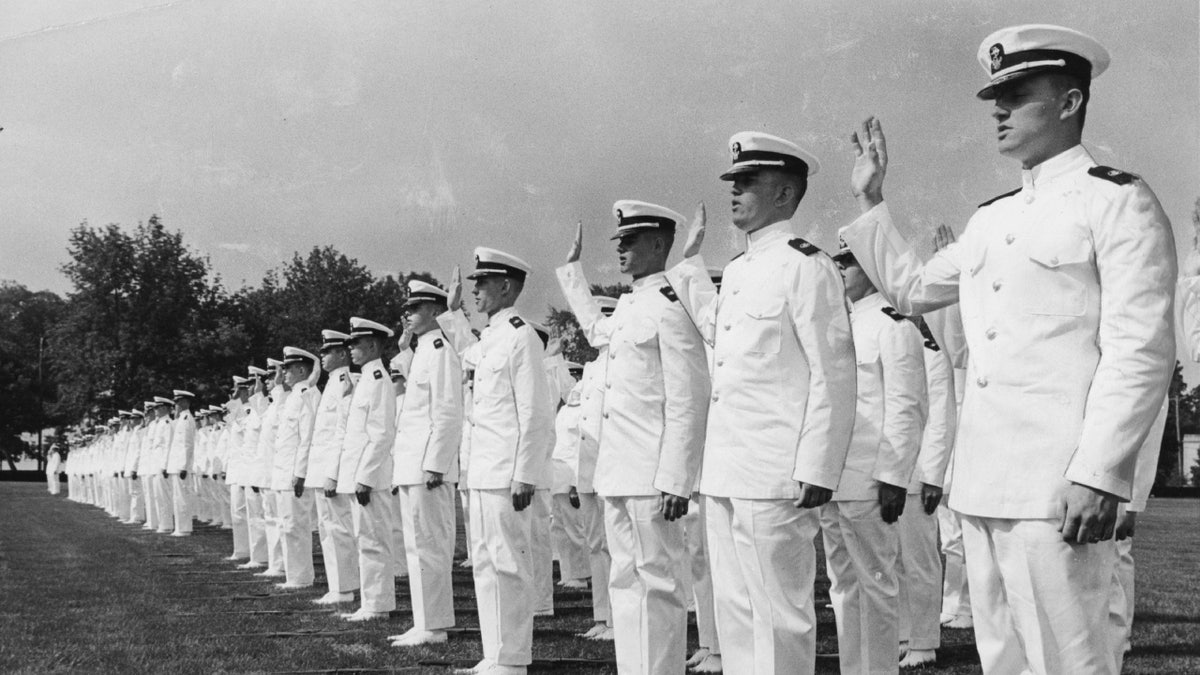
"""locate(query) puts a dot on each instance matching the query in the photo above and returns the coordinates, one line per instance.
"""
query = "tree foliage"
(563, 324)
(25, 398)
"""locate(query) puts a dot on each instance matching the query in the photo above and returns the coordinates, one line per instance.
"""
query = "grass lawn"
(80, 592)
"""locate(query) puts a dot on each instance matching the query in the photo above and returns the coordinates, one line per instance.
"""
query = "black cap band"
(787, 163)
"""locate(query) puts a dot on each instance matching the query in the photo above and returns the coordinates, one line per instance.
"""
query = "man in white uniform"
(365, 468)
(782, 408)
(160, 445)
(145, 465)
(263, 462)
(137, 498)
(655, 407)
(53, 466)
(180, 455)
(294, 499)
(335, 522)
(1066, 289)
(425, 460)
(861, 545)
(920, 567)
(235, 409)
(511, 427)
(252, 416)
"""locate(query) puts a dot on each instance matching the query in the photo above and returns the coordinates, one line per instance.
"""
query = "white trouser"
(566, 532)
(698, 572)
(221, 496)
(52, 483)
(649, 612)
(429, 544)
(464, 499)
(295, 529)
(1120, 607)
(956, 593)
(120, 488)
(591, 515)
(181, 501)
(197, 485)
(256, 524)
(503, 572)
(338, 547)
(920, 577)
(137, 502)
(399, 556)
(763, 563)
(237, 518)
(1040, 604)
(270, 500)
(861, 552)
(163, 503)
(543, 552)
(147, 481)
(373, 533)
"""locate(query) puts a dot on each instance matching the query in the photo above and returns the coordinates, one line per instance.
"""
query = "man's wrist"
(869, 200)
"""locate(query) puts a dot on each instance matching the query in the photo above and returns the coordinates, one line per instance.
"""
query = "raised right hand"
(870, 164)
(577, 245)
(454, 301)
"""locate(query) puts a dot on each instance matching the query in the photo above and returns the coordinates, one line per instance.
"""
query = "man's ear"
(1072, 103)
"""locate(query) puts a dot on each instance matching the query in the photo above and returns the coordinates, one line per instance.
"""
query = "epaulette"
(669, 293)
(343, 377)
(516, 322)
(438, 343)
(998, 198)
(1112, 175)
(379, 374)
(803, 246)
(896, 316)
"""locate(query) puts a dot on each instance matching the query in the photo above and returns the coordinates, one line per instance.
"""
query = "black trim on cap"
(485, 268)
(367, 332)
(661, 221)
(790, 162)
(1074, 64)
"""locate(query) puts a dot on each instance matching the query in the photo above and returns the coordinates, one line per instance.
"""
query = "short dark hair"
(1066, 81)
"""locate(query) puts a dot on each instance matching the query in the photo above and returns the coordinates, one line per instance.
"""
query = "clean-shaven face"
(489, 294)
(1027, 113)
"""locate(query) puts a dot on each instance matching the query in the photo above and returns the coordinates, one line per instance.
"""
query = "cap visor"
(988, 93)
(479, 274)
(740, 168)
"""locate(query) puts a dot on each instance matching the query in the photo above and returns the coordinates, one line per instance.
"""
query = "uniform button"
(715, 398)
(721, 362)
(991, 334)
(1028, 196)
(605, 415)
(727, 326)
(612, 356)
(735, 292)
(608, 386)
(996, 285)
(982, 382)
(1054, 260)
(1009, 238)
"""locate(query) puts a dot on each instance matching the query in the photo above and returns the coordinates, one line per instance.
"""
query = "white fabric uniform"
(366, 459)
(164, 517)
(511, 425)
(180, 455)
(335, 524)
(428, 431)
(861, 549)
(920, 568)
(1066, 375)
(235, 412)
(655, 408)
(293, 441)
(780, 333)
(263, 461)
(137, 499)
(567, 532)
(255, 512)
(53, 464)
(591, 508)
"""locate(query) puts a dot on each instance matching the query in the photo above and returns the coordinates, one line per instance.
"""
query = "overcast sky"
(404, 134)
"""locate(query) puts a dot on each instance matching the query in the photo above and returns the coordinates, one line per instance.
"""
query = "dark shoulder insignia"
(803, 246)
(437, 343)
(516, 322)
(930, 342)
(896, 316)
(669, 293)
(1112, 175)
(998, 198)
(379, 374)
(343, 377)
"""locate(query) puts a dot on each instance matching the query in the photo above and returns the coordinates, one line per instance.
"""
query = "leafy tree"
(25, 397)
(146, 316)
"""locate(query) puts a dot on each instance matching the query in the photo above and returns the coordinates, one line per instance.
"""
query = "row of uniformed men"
(789, 413)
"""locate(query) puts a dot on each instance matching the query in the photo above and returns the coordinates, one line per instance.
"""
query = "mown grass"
(80, 592)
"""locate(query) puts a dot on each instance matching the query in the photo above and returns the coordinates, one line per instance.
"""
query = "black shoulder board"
(803, 246)
(669, 293)
(998, 198)
(896, 316)
(379, 374)
(930, 342)
(1113, 175)
(516, 322)
(437, 343)
(343, 377)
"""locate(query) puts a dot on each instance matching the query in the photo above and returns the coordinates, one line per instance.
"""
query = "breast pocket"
(762, 326)
(1059, 278)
